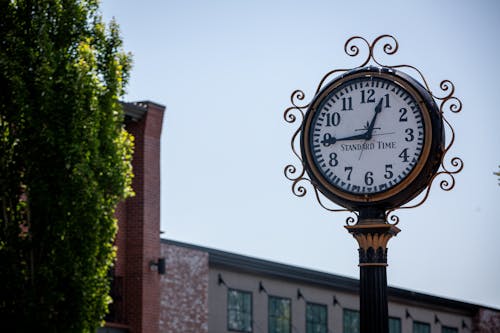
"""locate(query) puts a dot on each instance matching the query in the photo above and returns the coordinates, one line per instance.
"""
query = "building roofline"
(134, 111)
(146, 102)
(242, 263)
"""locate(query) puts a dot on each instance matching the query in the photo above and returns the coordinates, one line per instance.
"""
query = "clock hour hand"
(378, 109)
(331, 140)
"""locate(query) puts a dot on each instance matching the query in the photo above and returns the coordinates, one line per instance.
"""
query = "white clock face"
(366, 135)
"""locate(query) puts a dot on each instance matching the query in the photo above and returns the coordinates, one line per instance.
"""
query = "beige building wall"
(217, 295)
(217, 304)
(194, 294)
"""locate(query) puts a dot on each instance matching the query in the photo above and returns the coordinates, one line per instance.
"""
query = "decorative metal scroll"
(447, 102)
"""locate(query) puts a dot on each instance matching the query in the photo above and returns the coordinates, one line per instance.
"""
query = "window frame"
(449, 328)
(269, 297)
(343, 319)
(421, 323)
(400, 323)
(317, 305)
(228, 309)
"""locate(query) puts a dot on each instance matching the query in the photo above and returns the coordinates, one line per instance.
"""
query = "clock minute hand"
(332, 140)
(353, 137)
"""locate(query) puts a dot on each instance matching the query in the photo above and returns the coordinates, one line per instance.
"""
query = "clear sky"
(226, 70)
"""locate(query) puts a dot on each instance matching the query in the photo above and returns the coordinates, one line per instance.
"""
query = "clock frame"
(417, 178)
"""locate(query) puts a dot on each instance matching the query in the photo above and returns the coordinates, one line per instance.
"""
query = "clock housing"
(372, 139)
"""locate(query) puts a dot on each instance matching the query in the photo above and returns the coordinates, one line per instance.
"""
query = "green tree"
(65, 162)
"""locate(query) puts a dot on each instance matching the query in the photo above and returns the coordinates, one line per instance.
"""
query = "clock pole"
(372, 235)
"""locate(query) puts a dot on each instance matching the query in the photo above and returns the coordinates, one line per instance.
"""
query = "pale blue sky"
(226, 70)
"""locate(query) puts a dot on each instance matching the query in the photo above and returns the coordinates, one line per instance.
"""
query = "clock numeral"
(347, 104)
(403, 117)
(327, 139)
(369, 178)
(367, 97)
(404, 155)
(387, 104)
(409, 132)
(333, 119)
(333, 160)
(388, 171)
(349, 171)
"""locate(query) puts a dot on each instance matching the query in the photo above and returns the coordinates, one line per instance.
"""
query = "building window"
(419, 327)
(316, 318)
(239, 310)
(446, 329)
(394, 325)
(280, 318)
(351, 321)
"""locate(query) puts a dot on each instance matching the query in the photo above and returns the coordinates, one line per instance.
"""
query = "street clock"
(373, 137)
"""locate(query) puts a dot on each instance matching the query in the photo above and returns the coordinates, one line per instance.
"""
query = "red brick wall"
(487, 321)
(138, 238)
(184, 291)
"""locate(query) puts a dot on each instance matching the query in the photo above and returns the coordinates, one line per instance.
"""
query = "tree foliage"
(64, 162)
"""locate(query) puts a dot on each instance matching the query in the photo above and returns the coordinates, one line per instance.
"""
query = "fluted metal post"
(372, 236)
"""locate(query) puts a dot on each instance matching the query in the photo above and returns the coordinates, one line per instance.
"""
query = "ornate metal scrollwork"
(448, 102)
(298, 175)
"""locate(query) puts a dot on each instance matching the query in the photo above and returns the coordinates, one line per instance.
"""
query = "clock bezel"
(418, 178)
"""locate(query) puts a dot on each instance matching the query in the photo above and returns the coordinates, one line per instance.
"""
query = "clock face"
(367, 135)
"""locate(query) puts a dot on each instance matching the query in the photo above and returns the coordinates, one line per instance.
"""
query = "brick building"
(202, 290)
(135, 286)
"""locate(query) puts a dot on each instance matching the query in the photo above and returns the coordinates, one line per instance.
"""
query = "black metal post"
(372, 237)
(373, 300)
